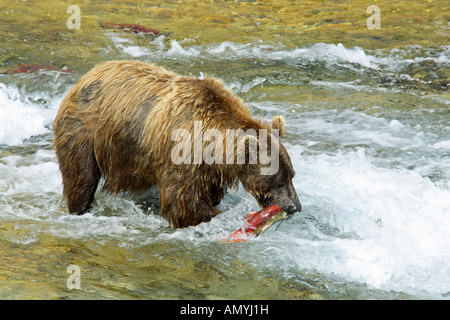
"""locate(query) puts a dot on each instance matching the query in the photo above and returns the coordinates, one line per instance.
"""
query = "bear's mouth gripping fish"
(258, 222)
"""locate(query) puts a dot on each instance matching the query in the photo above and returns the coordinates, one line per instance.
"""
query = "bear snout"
(293, 208)
(288, 201)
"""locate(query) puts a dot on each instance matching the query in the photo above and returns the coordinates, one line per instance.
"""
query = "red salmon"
(258, 222)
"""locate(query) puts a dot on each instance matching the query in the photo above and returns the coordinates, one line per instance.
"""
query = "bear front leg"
(80, 175)
(216, 194)
(182, 208)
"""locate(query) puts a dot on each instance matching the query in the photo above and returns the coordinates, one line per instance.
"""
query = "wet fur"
(116, 123)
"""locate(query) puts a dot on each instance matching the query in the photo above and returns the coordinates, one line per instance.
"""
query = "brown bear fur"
(117, 121)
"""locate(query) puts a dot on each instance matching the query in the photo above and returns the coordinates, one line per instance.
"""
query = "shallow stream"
(368, 131)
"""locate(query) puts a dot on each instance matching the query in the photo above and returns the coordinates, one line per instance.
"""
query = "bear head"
(268, 172)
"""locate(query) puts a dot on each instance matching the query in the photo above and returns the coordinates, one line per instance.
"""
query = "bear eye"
(281, 179)
(279, 182)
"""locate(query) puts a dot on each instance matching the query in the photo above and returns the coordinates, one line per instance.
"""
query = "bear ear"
(278, 123)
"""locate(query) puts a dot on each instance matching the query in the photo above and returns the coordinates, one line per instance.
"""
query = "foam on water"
(390, 227)
(442, 145)
(395, 58)
(336, 55)
(19, 119)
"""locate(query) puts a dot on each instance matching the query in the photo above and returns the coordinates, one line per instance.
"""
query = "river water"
(368, 132)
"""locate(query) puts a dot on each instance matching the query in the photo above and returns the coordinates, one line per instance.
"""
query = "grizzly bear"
(119, 122)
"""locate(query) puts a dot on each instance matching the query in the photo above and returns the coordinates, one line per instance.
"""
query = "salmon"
(258, 222)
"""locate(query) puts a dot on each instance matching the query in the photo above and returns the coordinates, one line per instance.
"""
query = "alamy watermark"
(374, 21)
(237, 147)
(74, 280)
(74, 21)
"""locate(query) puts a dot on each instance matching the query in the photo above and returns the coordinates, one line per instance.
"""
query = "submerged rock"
(136, 28)
(24, 68)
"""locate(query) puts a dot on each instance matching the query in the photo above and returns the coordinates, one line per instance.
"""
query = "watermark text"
(374, 21)
(237, 147)
(74, 21)
(74, 280)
